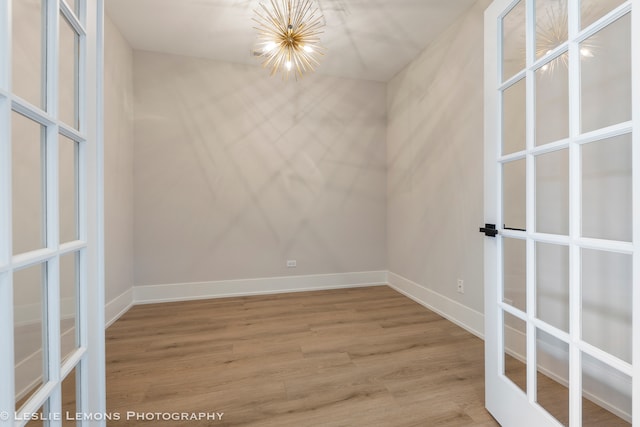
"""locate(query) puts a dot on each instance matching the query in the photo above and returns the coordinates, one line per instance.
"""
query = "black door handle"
(489, 230)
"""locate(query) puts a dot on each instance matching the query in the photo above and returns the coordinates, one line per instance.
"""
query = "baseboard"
(263, 286)
(460, 314)
(117, 307)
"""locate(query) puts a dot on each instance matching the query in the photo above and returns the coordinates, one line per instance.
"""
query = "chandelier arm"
(271, 59)
(274, 18)
(304, 59)
(302, 7)
(297, 65)
(268, 23)
(311, 61)
(310, 22)
(310, 33)
(277, 64)
(278, 11)
(290, 9)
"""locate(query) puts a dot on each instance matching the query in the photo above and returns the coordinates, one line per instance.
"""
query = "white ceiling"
(365, 39)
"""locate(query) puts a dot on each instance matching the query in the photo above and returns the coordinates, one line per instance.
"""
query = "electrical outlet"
(460, 286)
(291, 263)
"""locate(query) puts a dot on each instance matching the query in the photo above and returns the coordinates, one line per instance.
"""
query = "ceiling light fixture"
(552, 31)
(289, 36)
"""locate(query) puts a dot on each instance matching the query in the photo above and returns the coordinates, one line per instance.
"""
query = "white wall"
(118, 159)
(237, 172)
(435, 152)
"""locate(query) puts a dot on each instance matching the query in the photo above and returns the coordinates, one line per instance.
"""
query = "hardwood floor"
(353, 357)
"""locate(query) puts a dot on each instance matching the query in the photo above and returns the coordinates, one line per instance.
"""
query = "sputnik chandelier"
(289, 36)
(552, 31)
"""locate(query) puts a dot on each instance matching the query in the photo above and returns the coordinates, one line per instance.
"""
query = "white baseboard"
(460, 314)
(244, 287)
(117, 307)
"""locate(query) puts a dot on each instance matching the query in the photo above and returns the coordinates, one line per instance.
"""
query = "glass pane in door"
(515, 350)
(552, 25)
(606, 301)
(513, 41)
(514, 194)
(28, 309)
(69, 405)
(552, 192)
(68, 303)
(552, 285)
(606, 395)
(514, 134)
(552, 392)
(515, 273)
(592, 10)
(607, 189)
(28, 51)
(605, 61)
(68, 189)
(69, 44)
(28, 170)
(552, 101)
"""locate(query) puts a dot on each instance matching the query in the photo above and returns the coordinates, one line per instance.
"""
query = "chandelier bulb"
(289, 32)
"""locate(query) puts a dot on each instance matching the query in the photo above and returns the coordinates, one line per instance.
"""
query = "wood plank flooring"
(357, 357)
(352, 357)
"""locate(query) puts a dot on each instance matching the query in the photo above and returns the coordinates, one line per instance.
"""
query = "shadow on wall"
(435, 152)
(246, 171)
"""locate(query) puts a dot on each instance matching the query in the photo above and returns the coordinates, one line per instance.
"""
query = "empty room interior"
(267, 212)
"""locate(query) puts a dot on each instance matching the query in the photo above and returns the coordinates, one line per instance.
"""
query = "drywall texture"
(118, 163)
(435, 171)
(237, 172)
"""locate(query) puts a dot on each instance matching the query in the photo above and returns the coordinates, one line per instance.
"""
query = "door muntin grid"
(58, 313)
(539, 171)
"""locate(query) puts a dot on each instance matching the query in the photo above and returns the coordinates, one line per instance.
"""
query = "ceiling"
(365, 39)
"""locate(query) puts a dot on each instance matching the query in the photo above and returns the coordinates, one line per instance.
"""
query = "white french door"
(51, 274)
(562, 203)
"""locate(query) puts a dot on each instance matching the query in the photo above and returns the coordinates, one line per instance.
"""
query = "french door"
(562, 190)
(51, 286)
